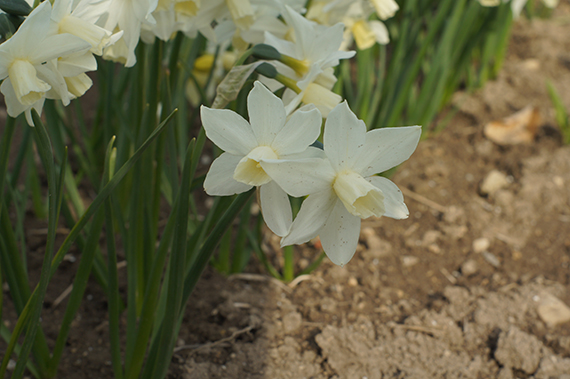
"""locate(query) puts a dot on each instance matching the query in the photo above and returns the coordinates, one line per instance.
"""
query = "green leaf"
(561, 114)
(7, 28)
(15, 7)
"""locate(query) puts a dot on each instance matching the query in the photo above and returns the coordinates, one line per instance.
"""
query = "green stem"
(288, 263)
(4, 153)
(46, 155)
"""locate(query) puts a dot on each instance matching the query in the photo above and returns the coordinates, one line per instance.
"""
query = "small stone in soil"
(552, 310)
(491, 259)
(409, 260)
(481, 244)
(494, 181)
(469, 267)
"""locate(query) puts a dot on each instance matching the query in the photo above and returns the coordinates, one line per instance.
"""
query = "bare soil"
(464, 288)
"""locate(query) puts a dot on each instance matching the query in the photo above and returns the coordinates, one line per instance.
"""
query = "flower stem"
(288, 264)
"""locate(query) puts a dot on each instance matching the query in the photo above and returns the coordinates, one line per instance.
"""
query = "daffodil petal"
(339, 235)
(344, 136)
(228, 130)
(310, 152)
(380, 32)
(219, 179)
(275, 208)
(302, 27)
(327, 45)
(59, 46)
(13, 106)
(301, 130)
(283, 46)
(393, 199)
(266, 114)
(314, 212)
(300, 177)
(386, 148)
(32, 31)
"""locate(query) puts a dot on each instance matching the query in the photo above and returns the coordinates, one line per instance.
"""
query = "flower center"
(324, 99)
(95, 35)
(78, 85)
(249, 170)
(27, 86)
(358, 195)
(242, 13)
(187, 8)
(363, 35)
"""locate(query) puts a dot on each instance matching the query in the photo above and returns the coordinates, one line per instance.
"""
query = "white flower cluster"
(517, 5)
(49, 54)
(274, 152)
(355, 15)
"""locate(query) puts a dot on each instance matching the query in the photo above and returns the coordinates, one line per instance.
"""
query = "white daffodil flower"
(268, 135)
(355, 15)
(78, 19)
(518, 5)
(309, 60)
(343, 188)
(128, 16)
(385, 8)
(312, 44)
(27, 62)
(364, 32)
(241, 21)
(171, 16)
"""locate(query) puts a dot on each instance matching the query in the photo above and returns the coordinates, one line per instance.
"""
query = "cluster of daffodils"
(48, 50)
(49, 54)
(275, 153)
(355, 15)
(517, 5)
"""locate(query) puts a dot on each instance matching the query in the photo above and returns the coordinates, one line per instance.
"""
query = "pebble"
(481, 244)
(430, 237)
(434, 248)
(454, 215)
(552, 310)
(409, 260)
(491, 259)
(352, 282)
(494, 181)
(469, 267)
(531, 64)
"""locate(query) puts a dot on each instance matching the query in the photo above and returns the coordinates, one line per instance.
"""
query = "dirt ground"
(475, 284)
